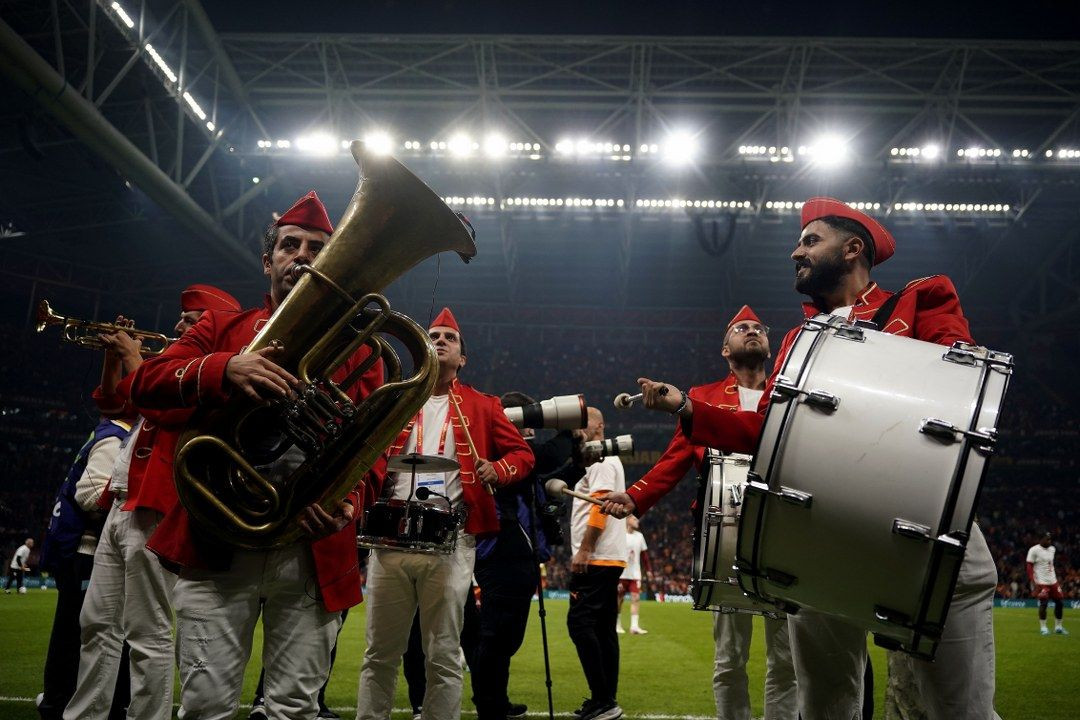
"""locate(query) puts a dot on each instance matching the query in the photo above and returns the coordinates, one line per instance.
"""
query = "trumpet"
(87, 333)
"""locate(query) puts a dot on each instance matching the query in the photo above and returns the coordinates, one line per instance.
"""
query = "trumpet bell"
(46, 316)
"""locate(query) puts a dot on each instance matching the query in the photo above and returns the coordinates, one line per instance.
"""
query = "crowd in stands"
(1032, 486)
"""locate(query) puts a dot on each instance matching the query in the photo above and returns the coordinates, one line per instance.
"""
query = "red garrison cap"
(307, 212)
(819, 207)
(207, 297)
(745, 314)
(445, 319)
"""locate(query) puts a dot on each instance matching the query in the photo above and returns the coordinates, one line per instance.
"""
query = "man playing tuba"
(300, 588)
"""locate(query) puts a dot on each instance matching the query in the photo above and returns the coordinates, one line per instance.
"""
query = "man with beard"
(299, 589)
(833, 258)
(746, 349)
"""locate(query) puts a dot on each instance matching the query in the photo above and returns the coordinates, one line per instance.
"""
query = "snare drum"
(714, 585)
(409, 526)
(863, 488)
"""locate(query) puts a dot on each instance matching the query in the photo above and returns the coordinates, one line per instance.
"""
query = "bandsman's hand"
(618, 505)
(120, 344)
(317, 523)
(258, 376)
(485, 471)
(661, 396)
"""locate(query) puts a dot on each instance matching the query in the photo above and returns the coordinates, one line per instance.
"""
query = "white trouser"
(216, 614)
(732, 633)
(830, 654)
(128, 599)
(399, 583)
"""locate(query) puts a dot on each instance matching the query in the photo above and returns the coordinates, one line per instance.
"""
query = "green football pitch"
(665, 674)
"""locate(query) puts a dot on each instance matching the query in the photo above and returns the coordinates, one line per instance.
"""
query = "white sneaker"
(1060, 631)
(638, 631)
(1044, 631)
(619, 630)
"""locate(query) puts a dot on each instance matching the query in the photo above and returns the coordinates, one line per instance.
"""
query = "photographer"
(599, 546)
(506, 571)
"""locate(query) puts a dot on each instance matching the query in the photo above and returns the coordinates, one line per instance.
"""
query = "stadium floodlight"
(379, 142)
(317, 144)
(255, 180)
(931, 152)
(827, 150)
(160, 62)
(122, 14)
(564, 147)
(460, 145)
(680, 148)
(195, 107)
(495, 146)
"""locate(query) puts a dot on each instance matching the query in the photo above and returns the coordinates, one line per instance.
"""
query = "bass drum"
(714, 585)
(863, 489)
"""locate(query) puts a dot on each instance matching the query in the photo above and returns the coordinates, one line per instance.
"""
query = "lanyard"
(419, 422)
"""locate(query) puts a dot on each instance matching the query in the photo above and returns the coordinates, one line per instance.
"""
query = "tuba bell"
(247, 470)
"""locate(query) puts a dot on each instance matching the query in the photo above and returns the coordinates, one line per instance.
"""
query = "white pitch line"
(470, 713)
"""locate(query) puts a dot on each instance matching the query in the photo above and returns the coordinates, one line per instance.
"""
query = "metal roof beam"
(28, 70)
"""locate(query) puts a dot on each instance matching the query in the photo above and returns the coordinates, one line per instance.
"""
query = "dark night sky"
(1031, 19)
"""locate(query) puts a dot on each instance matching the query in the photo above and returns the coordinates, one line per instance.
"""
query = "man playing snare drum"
(462, 424)
(833, 258)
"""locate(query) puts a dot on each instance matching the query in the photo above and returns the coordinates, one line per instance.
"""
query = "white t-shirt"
(602, 477)
(18, 560)
(1043, 560)
(749, 399)
(635, 545)
(435, 416)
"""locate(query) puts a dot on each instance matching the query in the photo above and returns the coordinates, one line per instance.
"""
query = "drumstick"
(468, 437)
(555, 486)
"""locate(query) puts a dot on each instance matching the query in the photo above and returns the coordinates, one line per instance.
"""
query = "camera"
(563, 412)
(551, 515)
(597, 450)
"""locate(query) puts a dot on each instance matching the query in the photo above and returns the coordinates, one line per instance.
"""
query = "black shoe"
(603, 711)
(325, 712)
(514, 711)
(586, 706)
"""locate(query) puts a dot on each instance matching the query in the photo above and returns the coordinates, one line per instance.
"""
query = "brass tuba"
(249, 469)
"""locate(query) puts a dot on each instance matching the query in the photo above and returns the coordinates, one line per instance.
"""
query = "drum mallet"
(555, 486)
(623, 401)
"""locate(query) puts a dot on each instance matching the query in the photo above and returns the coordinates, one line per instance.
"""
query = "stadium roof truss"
(182, 113)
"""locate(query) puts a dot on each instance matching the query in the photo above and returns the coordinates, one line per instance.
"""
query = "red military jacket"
(496, 440)
(929, 310)
(681, 454)
(191, 374)
(150, 481)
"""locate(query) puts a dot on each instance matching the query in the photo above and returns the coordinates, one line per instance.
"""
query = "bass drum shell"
(855, 511)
